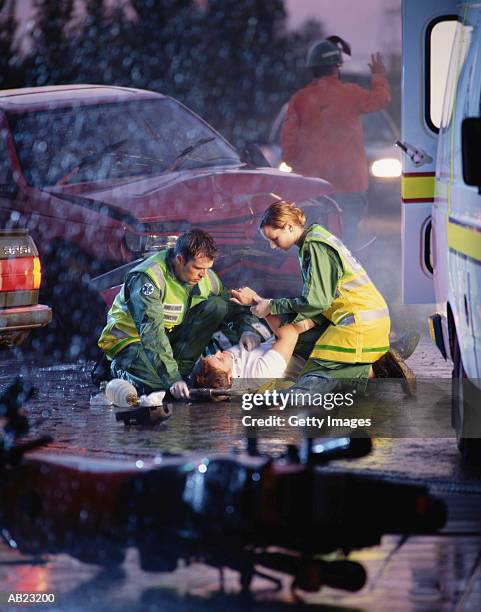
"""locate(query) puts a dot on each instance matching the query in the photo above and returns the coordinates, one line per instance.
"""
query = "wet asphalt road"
(426, 573)
(432, 573)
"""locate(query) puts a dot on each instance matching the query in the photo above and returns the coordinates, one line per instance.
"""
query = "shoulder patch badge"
(147, 289)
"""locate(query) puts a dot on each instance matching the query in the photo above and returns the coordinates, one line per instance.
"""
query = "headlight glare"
(387, 167)
(283, 167)
(148, 243)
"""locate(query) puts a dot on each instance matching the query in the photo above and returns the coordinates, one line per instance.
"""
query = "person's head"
(215, 372)
(325, 58)
(282, 225)
(194, 254)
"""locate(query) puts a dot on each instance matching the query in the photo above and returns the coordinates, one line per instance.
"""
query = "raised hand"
(376, 65)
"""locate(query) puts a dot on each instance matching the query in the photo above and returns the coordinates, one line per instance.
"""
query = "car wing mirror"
(252, 154)
(471, 148)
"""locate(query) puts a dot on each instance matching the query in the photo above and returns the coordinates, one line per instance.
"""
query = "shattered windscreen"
(114, 140)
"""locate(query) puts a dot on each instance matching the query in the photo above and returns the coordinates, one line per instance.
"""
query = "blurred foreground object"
(278, 514)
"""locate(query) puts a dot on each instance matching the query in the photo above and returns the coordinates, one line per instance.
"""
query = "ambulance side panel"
(457, 207)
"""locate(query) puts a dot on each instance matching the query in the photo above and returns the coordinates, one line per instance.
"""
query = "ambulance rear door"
(428, 33)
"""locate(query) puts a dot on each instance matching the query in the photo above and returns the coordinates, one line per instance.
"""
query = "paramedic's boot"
(405, 344)
(392, 366)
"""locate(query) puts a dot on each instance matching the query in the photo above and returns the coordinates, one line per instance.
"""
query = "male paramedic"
(165, 314)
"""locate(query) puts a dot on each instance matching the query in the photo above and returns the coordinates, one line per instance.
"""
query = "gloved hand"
(244, 296)
(249, 340)
(180, 390)
(262, 308)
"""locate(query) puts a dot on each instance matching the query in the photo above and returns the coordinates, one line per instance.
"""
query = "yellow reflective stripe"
(118, 333)
(356, 282)
(214, 282)
(347, 320)
(373, 315)
(116, 348)
(465, 240)
(173, 307)
(341, 248)
(158, 275)
(418, 187)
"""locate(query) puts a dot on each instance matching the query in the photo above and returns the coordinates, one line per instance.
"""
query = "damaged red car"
(101, 176)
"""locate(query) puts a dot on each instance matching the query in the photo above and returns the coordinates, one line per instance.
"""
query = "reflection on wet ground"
(423, 573)
(62, 409)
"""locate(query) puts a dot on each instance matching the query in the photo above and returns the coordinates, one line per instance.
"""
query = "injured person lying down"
(240, 367)
(288, 356)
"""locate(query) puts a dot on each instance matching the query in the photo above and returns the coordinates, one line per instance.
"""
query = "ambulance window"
(439, 42)
(462, 40)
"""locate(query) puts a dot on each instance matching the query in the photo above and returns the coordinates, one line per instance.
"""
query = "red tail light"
(20, 274)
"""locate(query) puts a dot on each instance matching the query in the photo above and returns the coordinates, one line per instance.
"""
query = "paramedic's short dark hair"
(195, 242)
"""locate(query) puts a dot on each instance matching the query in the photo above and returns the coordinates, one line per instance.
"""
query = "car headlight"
(148, 243)
(283, 167)
(387, 167)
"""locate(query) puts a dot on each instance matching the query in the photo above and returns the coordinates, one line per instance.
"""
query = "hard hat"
(325, 53)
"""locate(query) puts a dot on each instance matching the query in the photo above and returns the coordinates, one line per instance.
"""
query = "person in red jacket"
(322, 131)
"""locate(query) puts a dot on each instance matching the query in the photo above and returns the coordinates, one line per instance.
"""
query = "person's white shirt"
(263, 362)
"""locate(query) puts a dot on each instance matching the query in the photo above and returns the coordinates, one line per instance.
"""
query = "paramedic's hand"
(244, 296)
(180, 390)
(303, 326)
(261, 308)
(376, 65)
(249, 340)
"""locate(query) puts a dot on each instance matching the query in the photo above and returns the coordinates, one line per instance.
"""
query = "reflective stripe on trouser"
(354, 343)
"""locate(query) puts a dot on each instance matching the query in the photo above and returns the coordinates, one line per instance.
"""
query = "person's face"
(222, 360)
(280, 238)
(192, 271)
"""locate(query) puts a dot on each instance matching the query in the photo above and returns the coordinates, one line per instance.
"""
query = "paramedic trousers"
(187, 341)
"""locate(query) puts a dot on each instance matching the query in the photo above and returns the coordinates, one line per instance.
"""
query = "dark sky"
(358, 21)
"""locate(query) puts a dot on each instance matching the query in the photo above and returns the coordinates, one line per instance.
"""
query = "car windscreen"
(114, 140)
(376, 128)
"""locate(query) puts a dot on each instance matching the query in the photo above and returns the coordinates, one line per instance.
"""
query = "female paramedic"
(338, 295)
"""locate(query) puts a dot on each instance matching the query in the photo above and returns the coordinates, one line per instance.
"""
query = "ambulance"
(441, 187)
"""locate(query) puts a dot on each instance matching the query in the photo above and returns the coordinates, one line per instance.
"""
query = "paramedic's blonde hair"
(279, 214)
